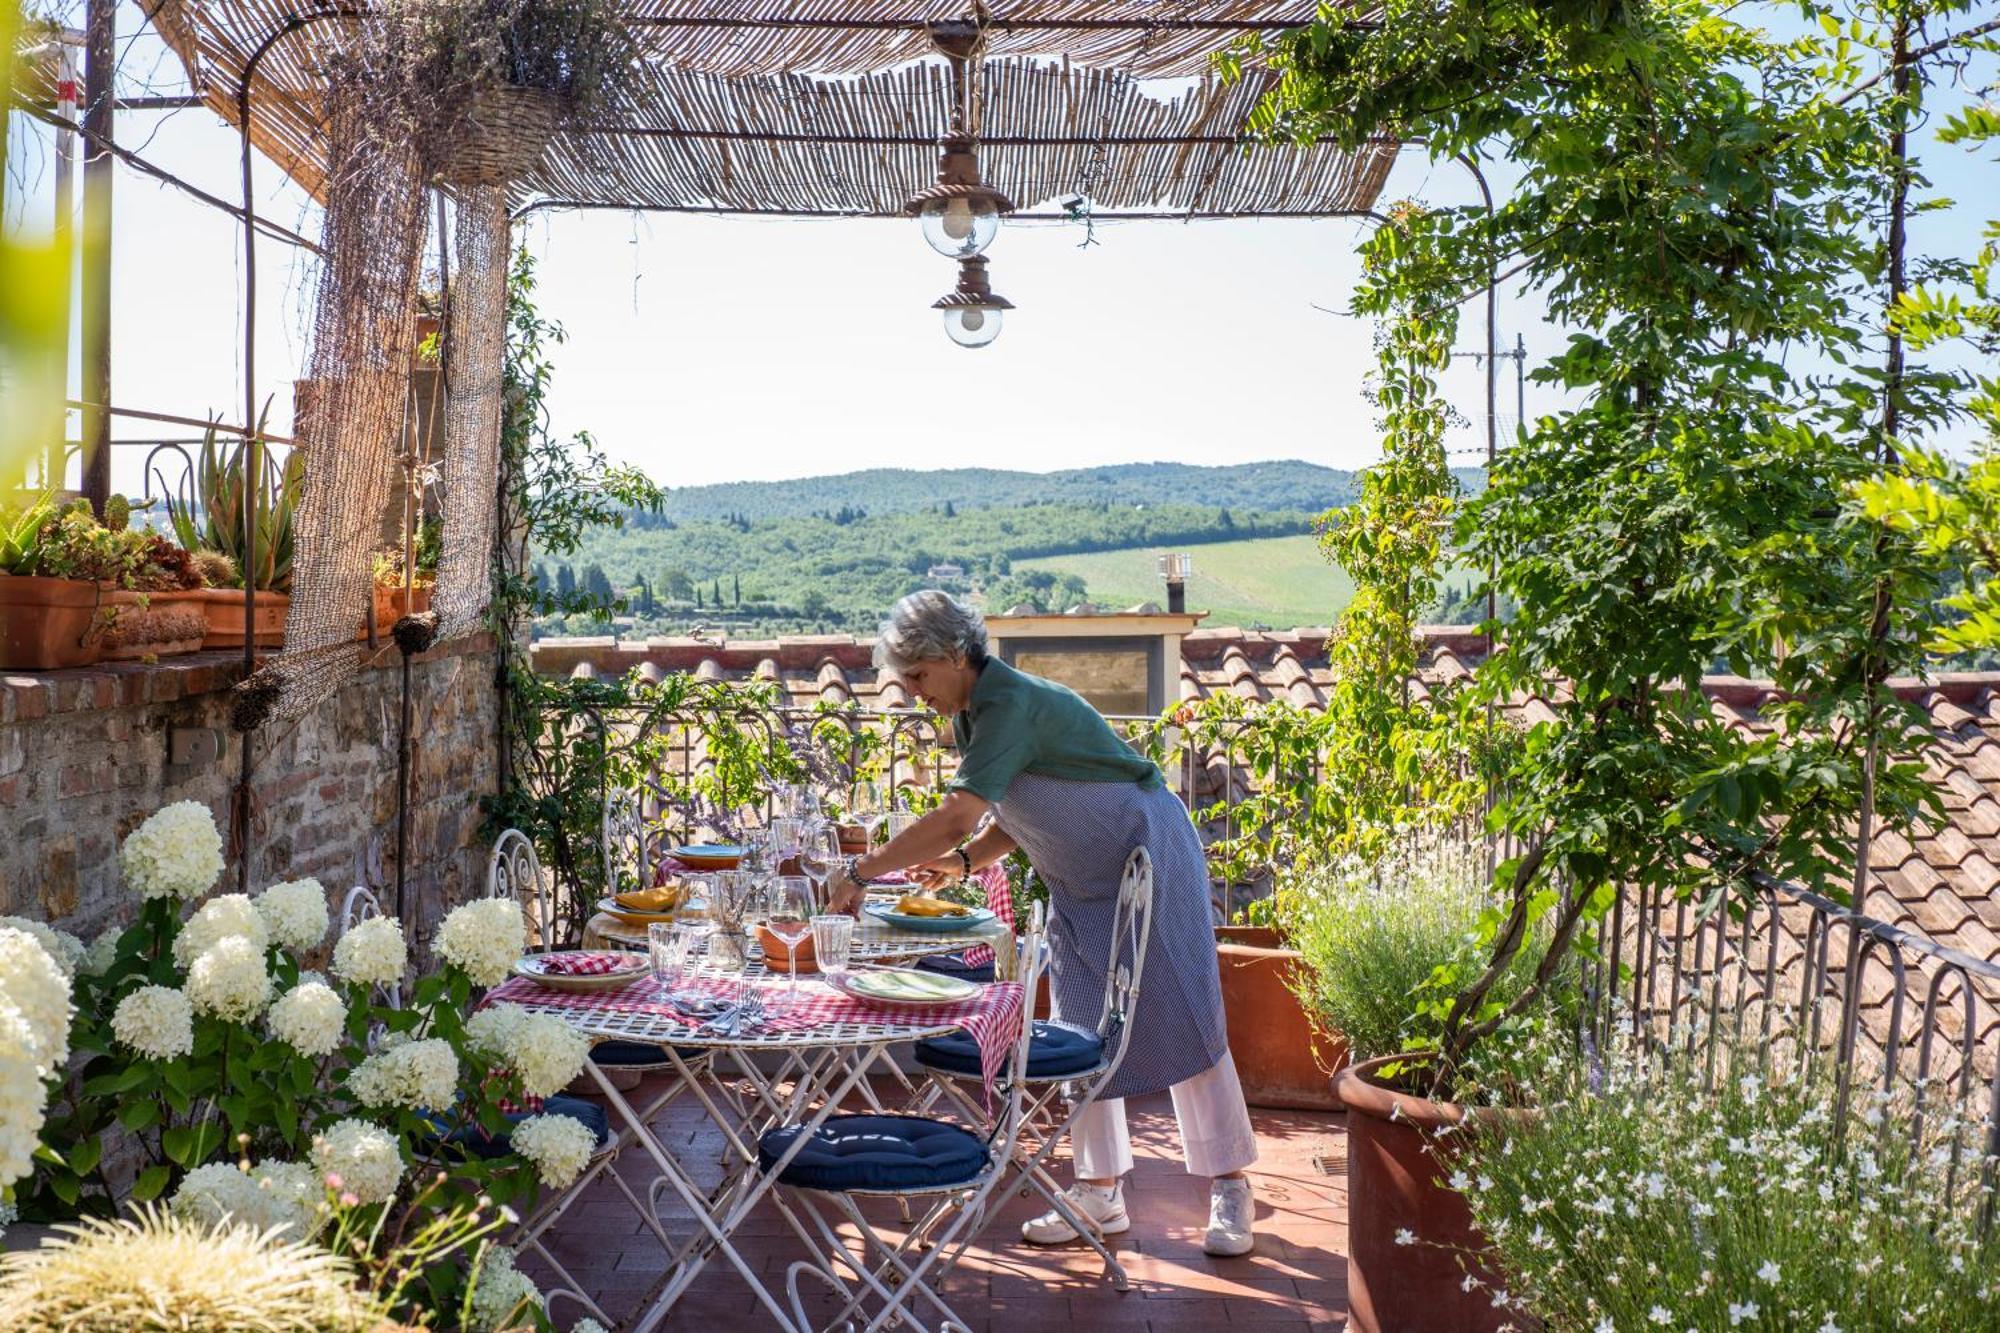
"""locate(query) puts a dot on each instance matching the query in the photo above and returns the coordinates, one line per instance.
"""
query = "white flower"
(102, 953)
(1829, 1326)
(587, 1325)
(372, 953)
(229, 980)
(219, 919)
(309, 1018)
(358, 1158)
(32, 982)
(176, 853)
(1739, 1313)
(483, 939)
(155, 1021)
(23, 1095)
(295, 913)
(502, 1294)
(1658, 1314)
(282, 1195)
(1768, 1273)
(560, 1147)
(1605, 1325)
(1405, 1236)
(60, 945)
(421, 1075)
(544, 1051)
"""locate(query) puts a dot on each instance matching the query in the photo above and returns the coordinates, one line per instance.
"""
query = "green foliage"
(22, 550)
(1695, 201)
(208, 514)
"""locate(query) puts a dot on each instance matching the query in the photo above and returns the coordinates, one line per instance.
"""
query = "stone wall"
(86, 755)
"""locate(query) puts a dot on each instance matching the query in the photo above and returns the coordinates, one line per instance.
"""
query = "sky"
(720, 349)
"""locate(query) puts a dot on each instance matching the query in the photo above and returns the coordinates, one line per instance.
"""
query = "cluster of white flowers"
(483, 939)
(155, 1021)
(285, 1196)
(176, 853)
(372, 953)
(229, 981)
(102, 953)
(34, 985)
(295, 913)
(220, 918)
(420, 1075)
(356, 1158)
(502, 1294)
(559, 1146)
(60, 945)
(309, 1018)
(545, 1052)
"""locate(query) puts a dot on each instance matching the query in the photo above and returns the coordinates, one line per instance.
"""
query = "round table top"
(874, 941)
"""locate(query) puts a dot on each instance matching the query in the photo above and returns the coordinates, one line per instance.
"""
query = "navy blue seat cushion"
(954, 965)
(614, 1053)
(1055, 1051)
(594, 1118)
(876, 1152)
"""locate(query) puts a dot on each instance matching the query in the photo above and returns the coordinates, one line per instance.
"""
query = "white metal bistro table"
(822, 1064)
(874, 941)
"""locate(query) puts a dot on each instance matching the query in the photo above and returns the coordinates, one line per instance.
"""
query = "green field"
(1279, 582)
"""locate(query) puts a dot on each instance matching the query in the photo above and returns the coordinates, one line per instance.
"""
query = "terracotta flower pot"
(151, 624)
(853, 840)
(776, 954)
(1281, 1056)
(393, 603)
(224, 609)
(48, 624)
(1394, 1165)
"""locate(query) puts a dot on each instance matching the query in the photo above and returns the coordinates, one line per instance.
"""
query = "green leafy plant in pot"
(207, 520)
(49, 594)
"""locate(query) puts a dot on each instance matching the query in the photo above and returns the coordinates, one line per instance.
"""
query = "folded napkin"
(586, 964)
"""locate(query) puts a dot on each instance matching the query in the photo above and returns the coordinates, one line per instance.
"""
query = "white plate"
(905, 986)
(533, 969)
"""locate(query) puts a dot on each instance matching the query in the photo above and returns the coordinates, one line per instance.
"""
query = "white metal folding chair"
(514, 870)
(628, 861)
(1068, 1066)
(952, 1170)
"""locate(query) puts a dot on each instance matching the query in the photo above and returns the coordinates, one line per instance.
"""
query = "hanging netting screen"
(475, 333)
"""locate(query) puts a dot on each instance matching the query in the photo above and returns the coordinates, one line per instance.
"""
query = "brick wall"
(86, 755)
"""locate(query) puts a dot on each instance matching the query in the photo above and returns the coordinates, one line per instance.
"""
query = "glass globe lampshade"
(972, 325)
(960, 225)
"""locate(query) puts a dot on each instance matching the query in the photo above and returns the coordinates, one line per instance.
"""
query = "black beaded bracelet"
(965, 859)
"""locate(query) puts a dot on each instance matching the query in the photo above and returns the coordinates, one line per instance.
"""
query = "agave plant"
(21, 548)
(208, 514)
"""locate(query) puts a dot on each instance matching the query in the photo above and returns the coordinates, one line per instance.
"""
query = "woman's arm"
(926, 840)
(982, 851)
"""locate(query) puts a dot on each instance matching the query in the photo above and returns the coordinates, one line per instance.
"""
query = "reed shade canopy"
(837, 108)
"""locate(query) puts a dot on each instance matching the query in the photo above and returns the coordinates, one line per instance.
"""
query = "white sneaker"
(1231, 1207)
(1103, 1208)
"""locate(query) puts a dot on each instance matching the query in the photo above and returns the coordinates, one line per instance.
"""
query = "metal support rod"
(54, 466)
(99, 125)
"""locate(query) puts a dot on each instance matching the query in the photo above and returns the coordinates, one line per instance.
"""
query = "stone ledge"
(28, 695)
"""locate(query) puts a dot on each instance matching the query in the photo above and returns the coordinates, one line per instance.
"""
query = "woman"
(1059, 784)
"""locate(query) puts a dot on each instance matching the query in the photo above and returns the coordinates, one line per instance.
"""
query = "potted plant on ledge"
(207, 520)
(48, 608)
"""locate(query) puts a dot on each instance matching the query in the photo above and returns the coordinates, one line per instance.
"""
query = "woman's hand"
(844, 892)
(941, 873)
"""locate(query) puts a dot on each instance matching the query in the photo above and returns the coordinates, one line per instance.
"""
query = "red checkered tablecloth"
(992, 1018)
(577, 964)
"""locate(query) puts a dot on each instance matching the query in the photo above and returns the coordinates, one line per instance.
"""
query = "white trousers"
(1216, 1137)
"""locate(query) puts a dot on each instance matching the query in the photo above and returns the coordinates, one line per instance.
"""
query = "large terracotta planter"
(224, 609)
(48, 624)
(393, 603)
(141, 625)
(1394, 1162)
(1282, 1058)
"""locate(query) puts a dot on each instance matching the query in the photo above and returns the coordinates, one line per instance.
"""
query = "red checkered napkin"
(586, 964)
(999, 901)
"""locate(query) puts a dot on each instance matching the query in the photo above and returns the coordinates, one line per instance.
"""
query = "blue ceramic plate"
(709, 855)
(929, 925)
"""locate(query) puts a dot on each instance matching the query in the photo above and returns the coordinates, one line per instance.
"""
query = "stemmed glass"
(819, 853)
(870, 809)
(900, 820)
(788, 913)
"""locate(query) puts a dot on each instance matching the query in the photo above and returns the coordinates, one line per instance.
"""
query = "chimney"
(1175, 569)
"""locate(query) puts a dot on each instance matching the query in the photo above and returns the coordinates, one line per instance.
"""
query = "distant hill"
(1283, 485)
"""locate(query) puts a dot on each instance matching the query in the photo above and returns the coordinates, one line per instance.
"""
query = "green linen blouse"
(1017, 723)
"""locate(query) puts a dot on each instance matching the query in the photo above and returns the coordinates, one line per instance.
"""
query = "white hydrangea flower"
(502, 1294)
(560, 1147)
(421, 1075)
(295, 913)
(219, 919)
(176, 853)
(33, 983)
(483, 939)
(358, 1158)
(309, 1018)
(373, 953)
(155, 1021)
(23, 1096)
(587, 1325)
(229, 980)
(544, 1051)
(60, 945)
(102, 953)
(285, 1196)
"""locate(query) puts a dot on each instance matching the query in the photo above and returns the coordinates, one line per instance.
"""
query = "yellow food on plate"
(922, 904)
(661, 898)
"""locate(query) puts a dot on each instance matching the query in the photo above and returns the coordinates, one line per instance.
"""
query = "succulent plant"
(216, 569)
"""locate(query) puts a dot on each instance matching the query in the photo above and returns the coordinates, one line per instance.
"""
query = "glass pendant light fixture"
(960, 215)
(972, 311)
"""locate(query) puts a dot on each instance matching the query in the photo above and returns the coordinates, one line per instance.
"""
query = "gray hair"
(928, 625)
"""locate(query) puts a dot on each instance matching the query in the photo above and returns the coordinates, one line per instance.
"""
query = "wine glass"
(899, 821)
(819, 853)
(870, 809)
(788, 913)
(785, 836)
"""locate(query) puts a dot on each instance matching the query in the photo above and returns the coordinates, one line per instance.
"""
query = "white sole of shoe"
(1110, 1226)
(1230, 1249)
